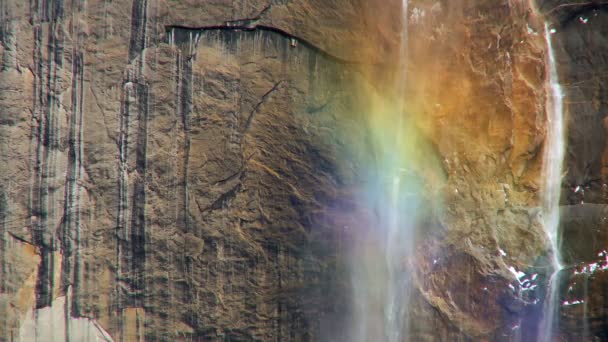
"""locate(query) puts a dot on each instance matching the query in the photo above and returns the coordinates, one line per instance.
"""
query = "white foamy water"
(552, 179)
(554, 152)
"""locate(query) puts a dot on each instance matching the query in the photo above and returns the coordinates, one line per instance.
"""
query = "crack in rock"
(180, 33)
(259, 104)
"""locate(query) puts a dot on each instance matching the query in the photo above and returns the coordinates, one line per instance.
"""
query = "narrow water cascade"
(552, 179)
(382, 287)
(554, 152)
(397, 245)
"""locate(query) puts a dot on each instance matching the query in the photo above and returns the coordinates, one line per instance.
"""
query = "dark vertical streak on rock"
(58, 11)
(77, 256)
(38, 123)
(46, 135)
(138, 28)
(3, 231)
(185, 108)
(33, 11)
(8, 38)
(138, 216)
(131, 230)
(186, 53)
(122, 222)
(71, 224)
(46, 10)
(4, 22)
(4, 321)
(40, 211)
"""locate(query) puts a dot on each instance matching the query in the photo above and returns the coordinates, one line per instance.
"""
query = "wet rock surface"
(487, 123)
(580, 31)
(584, 232)
(167, 182)
(583, 311)
(185, 170)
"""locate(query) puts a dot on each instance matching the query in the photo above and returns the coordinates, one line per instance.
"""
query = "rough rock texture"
(166, 181)
(581, 42)
(182, 170)
(487, 121)
(581, 31)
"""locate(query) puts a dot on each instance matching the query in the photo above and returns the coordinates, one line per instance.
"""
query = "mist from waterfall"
(552, 179)
(381, 281)
(399, 237)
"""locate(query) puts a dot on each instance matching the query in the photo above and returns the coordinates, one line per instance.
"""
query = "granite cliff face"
(581, 36)
(166, 165)
(185, 170)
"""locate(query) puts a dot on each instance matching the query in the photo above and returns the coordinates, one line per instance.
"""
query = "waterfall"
(381, 282)
(551, 176)
(398, 240)
(554, 152)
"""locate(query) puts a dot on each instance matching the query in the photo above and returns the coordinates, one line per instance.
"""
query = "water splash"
(551, 175)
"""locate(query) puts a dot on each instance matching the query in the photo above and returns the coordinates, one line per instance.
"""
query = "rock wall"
(581, 29)
(479, 72)
(165, 165)
(183, 170)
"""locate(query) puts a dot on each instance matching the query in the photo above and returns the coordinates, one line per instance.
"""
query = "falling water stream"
(397, 245)
(551, 175)
(381, 280)
(382, 284)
